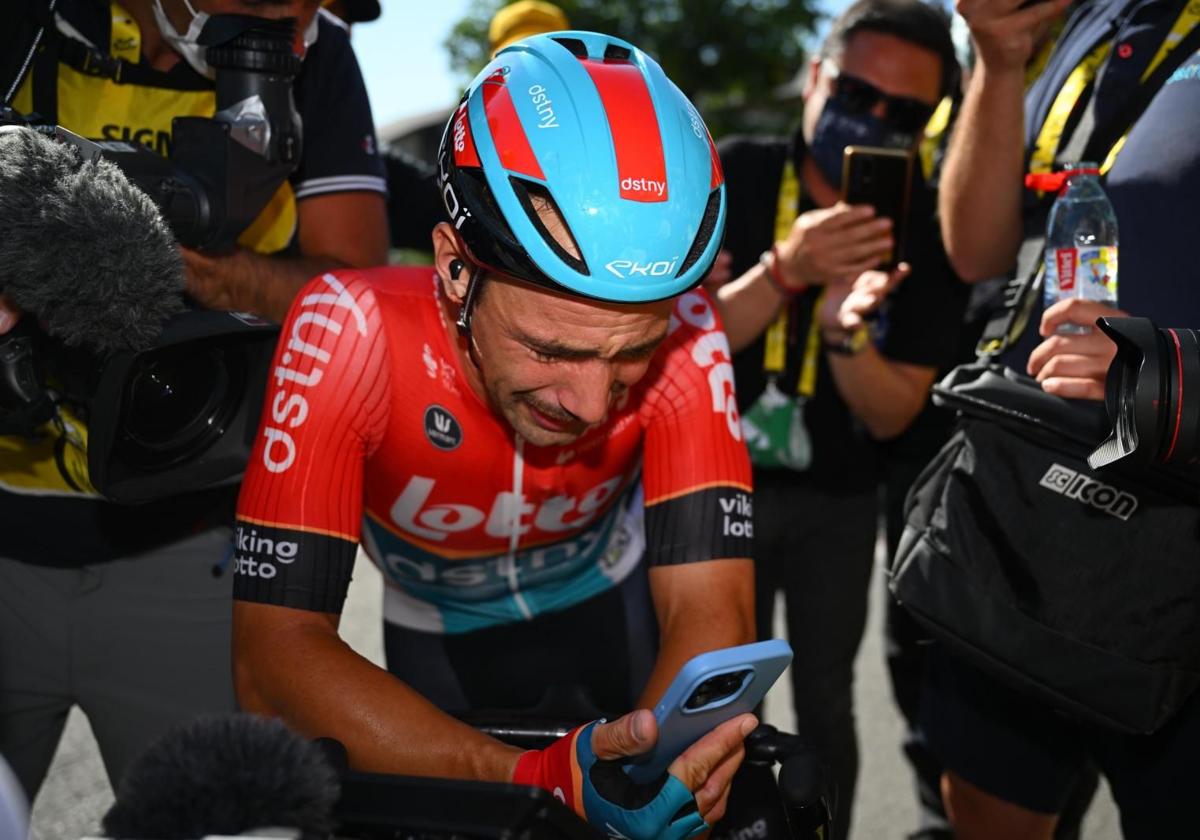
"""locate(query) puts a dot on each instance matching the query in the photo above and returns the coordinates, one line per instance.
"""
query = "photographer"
(125, 611)
(1011, 760)
(833, 355)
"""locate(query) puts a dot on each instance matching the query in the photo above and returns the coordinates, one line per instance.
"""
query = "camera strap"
(1087, 142)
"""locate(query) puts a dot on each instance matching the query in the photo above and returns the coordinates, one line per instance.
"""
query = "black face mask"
(839, 127)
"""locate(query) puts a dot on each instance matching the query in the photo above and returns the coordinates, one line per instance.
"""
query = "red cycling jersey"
(371, 433)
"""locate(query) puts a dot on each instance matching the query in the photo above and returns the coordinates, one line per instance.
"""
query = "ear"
(447, 249)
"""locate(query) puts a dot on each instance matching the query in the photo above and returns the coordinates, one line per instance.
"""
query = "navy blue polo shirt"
(1154, 186)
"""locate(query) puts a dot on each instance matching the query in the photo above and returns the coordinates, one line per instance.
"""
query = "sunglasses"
(904, 113)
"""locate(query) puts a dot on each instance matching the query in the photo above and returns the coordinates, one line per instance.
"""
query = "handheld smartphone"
(881, 178)
(708, 690)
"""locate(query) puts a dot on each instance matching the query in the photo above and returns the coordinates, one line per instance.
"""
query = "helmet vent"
(576, 46)
(529, 192)
(615, 52)
(708, 223)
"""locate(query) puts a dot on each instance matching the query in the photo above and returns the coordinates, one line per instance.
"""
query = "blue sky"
(405, 64)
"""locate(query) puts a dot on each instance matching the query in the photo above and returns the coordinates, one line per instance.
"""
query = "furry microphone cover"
(83, 250)
(225, 775)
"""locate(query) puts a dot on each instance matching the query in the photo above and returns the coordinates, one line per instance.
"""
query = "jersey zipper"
(514, 533)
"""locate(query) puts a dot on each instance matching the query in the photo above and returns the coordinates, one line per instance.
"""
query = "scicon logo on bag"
(1088, 491)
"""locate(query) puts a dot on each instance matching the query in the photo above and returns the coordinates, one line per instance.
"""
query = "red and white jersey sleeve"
(325, 413)
(696, 471)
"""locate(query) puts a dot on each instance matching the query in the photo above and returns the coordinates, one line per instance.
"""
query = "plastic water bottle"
(1081, 243)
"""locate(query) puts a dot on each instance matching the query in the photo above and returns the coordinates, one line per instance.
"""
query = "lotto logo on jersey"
(415, 513)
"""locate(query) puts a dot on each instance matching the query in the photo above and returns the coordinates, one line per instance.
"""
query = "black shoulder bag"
(1077, 587)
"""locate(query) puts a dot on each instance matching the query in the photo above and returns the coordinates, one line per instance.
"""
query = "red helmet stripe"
(516, 155)
(464, 142)
(634, 124)
(718, 174)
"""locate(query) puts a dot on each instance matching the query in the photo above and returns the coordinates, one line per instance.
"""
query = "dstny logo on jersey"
(442, 429)
(1088, 491)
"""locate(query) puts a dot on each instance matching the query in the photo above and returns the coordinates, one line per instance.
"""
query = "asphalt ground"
(76, 793)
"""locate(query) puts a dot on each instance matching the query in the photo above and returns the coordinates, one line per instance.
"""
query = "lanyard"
(1050, 135)
(775, 347)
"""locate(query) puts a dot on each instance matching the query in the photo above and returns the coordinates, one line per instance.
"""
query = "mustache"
(556, 413)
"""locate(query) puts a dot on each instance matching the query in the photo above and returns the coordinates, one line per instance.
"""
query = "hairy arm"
(291, 664)
(338, 230)
(884, 394)
(985, 159)
(982, 178)
(700, 607)
(747, 306)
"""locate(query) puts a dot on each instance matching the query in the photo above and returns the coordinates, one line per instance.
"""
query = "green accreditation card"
(775, 432)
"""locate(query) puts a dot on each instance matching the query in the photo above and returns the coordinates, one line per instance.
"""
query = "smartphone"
(881, 178)
(708, 690)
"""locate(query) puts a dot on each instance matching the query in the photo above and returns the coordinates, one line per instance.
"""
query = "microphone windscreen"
(224, 775)
(83, 250)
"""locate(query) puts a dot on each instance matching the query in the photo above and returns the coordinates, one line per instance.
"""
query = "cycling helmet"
(591, 124)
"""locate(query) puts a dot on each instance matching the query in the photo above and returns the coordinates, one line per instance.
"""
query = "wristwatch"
(848, 343)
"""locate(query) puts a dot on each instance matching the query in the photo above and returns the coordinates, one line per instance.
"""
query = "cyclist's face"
(556, 366)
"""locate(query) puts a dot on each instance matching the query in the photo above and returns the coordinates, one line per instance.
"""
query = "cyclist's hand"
(1074, 366)
(8, 315)
(1005, 34)
(583, 769)
(833, 245)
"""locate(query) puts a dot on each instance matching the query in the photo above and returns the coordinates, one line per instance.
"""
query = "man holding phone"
(817, 383)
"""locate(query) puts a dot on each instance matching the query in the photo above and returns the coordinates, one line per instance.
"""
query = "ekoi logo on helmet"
(625, 269)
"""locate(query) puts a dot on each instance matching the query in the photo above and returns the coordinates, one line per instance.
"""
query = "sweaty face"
(554, 366)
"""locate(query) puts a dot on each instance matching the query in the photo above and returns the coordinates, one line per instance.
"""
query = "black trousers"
(817, 548)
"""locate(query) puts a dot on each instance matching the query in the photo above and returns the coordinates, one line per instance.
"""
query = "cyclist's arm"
(699, 506)
(700, 607)
(292, 664)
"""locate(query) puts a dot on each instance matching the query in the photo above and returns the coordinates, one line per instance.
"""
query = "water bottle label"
(1089, 273)
(1098, 267)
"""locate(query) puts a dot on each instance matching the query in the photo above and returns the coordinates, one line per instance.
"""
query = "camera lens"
(177, 403)
(716, 688)
(1153, 394)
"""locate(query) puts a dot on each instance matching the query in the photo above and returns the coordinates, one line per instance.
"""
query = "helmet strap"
(474, 283)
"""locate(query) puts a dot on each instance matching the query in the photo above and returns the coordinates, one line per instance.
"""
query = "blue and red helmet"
(592, 125)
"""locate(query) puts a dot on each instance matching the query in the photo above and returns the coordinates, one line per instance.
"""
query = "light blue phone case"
(679, 728)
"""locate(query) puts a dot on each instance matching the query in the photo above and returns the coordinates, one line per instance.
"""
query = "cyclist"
(536, 440)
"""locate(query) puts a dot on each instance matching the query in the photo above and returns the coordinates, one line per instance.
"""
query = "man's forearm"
(244, 281)
(981, 186)
(748, 305)
(313, 681)
(885, 395)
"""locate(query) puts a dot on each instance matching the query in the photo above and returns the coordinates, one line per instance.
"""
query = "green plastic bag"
(775, 432)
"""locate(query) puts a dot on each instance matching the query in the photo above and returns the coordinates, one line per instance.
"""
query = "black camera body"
(222, 170)
(181, 415)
